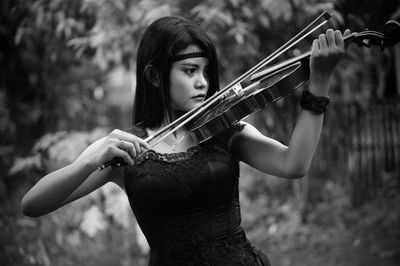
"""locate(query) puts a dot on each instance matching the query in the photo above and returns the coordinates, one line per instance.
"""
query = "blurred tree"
(40, 74)
(54, 55)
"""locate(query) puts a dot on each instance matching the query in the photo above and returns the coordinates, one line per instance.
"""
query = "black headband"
(189, 55)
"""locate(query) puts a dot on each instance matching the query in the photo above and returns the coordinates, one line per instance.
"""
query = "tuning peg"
(391, 31)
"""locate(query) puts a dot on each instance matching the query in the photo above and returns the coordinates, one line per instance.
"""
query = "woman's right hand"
(80, 178)
(117, 144)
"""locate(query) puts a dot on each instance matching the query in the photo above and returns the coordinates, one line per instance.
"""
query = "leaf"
(54, 150)
(68, 149)
(47, 140)
(74, 238)
(264, 21)
(93, 221)
(117, 205)
(157, 12)
(19, 35)
(25, 164)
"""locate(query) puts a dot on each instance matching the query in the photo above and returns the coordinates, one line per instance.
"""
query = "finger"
(123, 154)
(339, 40)
(129, 147)
(132, 138)
(122, 135)
(143, 143)
(330, 36)
(315, 47)
(136, 146)
(346, 32)
(116, 133)
(322, 42)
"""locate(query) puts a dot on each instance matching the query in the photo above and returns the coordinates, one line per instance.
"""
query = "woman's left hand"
(326, 52)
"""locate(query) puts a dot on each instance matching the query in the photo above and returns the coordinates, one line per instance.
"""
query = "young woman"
(185, 194)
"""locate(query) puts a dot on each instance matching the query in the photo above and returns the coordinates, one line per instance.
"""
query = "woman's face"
(188, 81)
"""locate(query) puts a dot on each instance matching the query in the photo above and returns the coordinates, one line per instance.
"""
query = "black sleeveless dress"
(187, 205)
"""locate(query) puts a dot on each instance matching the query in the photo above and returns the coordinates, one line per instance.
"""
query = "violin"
(276, 82)
(261, 85)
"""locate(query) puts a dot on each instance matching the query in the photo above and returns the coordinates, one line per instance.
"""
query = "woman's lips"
(199, 97)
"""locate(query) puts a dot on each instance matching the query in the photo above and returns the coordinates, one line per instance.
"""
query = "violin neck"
(280, 66)
(295, 60)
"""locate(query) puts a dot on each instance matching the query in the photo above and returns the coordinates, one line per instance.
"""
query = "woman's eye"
(189, 71)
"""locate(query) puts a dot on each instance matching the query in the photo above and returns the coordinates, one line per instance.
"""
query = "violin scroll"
(389, 37)
(391, 31)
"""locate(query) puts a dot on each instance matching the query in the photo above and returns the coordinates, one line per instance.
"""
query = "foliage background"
(67, 77)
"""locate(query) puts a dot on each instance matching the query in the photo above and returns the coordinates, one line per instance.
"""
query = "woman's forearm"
(51, 191)
(304, 142)
(326, 52)
(80, 178)
(307, 131)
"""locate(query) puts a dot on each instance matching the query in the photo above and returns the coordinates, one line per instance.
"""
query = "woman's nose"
(201, 82)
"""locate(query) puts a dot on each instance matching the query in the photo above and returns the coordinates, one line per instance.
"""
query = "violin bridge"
(237, 88)
(234, 91)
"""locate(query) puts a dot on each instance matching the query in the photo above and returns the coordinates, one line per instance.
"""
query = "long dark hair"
(160, 43)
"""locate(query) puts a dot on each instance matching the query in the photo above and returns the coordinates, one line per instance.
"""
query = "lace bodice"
(187, 205)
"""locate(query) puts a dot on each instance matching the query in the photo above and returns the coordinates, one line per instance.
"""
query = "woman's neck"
(178, 141)
(171, 117)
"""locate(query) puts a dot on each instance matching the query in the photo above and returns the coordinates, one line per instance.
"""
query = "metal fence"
(360, 147)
